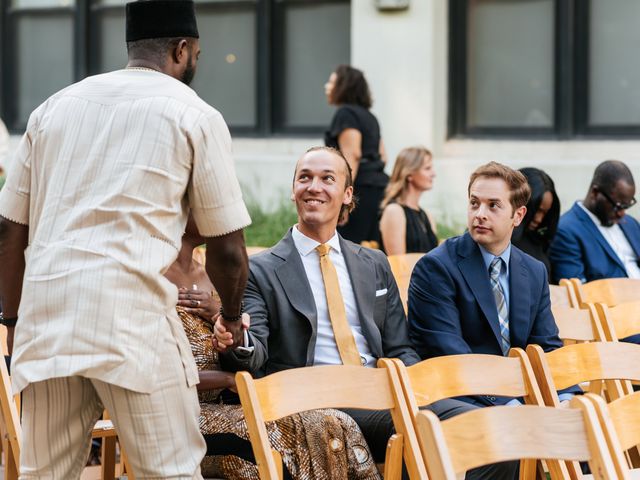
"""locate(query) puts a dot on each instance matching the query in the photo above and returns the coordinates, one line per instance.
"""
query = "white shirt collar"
(306, 245)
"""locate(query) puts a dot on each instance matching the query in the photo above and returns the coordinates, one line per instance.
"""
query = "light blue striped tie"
(501, 303)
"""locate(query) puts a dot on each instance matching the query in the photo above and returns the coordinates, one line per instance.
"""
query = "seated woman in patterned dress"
(319, 444)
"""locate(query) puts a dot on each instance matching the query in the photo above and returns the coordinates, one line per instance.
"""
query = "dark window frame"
(270, 95)
(571, 80)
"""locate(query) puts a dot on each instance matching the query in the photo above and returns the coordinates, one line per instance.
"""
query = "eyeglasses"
(617, 206)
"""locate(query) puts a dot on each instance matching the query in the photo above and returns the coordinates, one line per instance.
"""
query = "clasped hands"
(229, 335)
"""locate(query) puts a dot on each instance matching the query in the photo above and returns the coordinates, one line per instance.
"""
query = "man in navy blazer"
(595, 239)
(477, 293)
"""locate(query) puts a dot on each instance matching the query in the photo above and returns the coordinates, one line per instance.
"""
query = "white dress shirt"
(326, 351)
(619, 243)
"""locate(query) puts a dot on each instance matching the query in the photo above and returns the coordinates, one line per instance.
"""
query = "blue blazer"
(452, 309)
(580, 251)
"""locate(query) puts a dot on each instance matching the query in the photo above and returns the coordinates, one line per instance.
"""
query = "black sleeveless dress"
(420, 237)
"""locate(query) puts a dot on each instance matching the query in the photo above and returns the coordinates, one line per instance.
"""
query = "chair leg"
(125, 464)
(10, 467)
(393, 458)
(108, 467)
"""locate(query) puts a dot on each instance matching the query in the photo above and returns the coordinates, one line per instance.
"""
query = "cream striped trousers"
(159, 431)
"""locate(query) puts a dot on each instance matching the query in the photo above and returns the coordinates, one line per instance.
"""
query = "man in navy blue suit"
(595, 239)
(477, 293)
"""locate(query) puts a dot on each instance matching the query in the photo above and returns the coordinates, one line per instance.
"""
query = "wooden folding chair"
(498, 434)
(610, 291)
(620, 422)
(331, 386)
(473, 374)
(616, 364)
(401, 267)
(620, 321)
(11, 426)
(563, 295)
(577, 325)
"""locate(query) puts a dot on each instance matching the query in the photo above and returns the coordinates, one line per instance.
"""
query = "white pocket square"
(379, 293)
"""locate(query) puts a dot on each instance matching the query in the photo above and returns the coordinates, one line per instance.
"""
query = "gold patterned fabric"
(315, 445)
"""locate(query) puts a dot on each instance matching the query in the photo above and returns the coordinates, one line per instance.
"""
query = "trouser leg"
(159, 431)
(58, 416)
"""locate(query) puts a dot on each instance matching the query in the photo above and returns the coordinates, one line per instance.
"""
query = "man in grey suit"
(290, 299)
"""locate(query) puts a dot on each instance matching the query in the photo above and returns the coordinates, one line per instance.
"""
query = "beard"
(602, 214)
(189, 71)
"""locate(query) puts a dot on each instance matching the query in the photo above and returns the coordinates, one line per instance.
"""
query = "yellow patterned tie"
(337, 314)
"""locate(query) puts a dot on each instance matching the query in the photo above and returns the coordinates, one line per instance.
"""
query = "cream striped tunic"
(104, 177)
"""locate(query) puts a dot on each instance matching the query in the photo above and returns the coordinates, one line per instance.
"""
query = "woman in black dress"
(535, 233)
(355, 131)
(404, 226)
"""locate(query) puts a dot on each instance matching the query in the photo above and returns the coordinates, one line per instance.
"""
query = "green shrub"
(267, 229)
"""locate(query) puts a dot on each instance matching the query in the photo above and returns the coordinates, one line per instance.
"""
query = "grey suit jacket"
(283, 314)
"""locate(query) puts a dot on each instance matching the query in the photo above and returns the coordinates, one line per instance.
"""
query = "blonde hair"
(409, 161)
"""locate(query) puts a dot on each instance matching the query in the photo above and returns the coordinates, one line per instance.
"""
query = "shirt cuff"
(514, 402)
(246, 348)
(565, 396)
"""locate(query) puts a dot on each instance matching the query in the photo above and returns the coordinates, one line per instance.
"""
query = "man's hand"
(199, 302)
(229, 335)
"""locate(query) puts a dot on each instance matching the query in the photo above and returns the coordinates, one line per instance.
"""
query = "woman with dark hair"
(355, 132)
(535, 233)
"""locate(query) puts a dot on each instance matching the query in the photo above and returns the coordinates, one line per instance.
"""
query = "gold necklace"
(142, 69)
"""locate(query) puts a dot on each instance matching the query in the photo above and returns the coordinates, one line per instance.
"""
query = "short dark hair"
(155, 49)
(351, 87)
(516, 181)
(610, 172)
(348, 181)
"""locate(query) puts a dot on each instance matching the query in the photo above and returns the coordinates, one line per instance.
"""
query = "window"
(263, 62)
(547, 68)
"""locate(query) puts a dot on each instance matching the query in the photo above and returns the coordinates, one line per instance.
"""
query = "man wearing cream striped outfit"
(97, 200)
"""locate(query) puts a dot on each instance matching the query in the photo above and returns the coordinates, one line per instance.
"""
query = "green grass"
(267, 229)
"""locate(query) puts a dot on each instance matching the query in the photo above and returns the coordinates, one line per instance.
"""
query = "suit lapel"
(476, 275)
(519, 301)
(294, 280)
(593, 229)
(363, 278)
(631, 234)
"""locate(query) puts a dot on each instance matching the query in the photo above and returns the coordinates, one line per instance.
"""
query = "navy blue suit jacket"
(452, 309)
(580, 251)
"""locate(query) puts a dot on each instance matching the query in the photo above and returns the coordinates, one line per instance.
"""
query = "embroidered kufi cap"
(161, 19)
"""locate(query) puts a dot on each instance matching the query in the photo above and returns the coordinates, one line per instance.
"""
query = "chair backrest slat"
(473, 374)
(492, 435)
(577, 324)
(329, 386)
(401, 267)
(611, 291)
(585, 362)
(620, 321)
